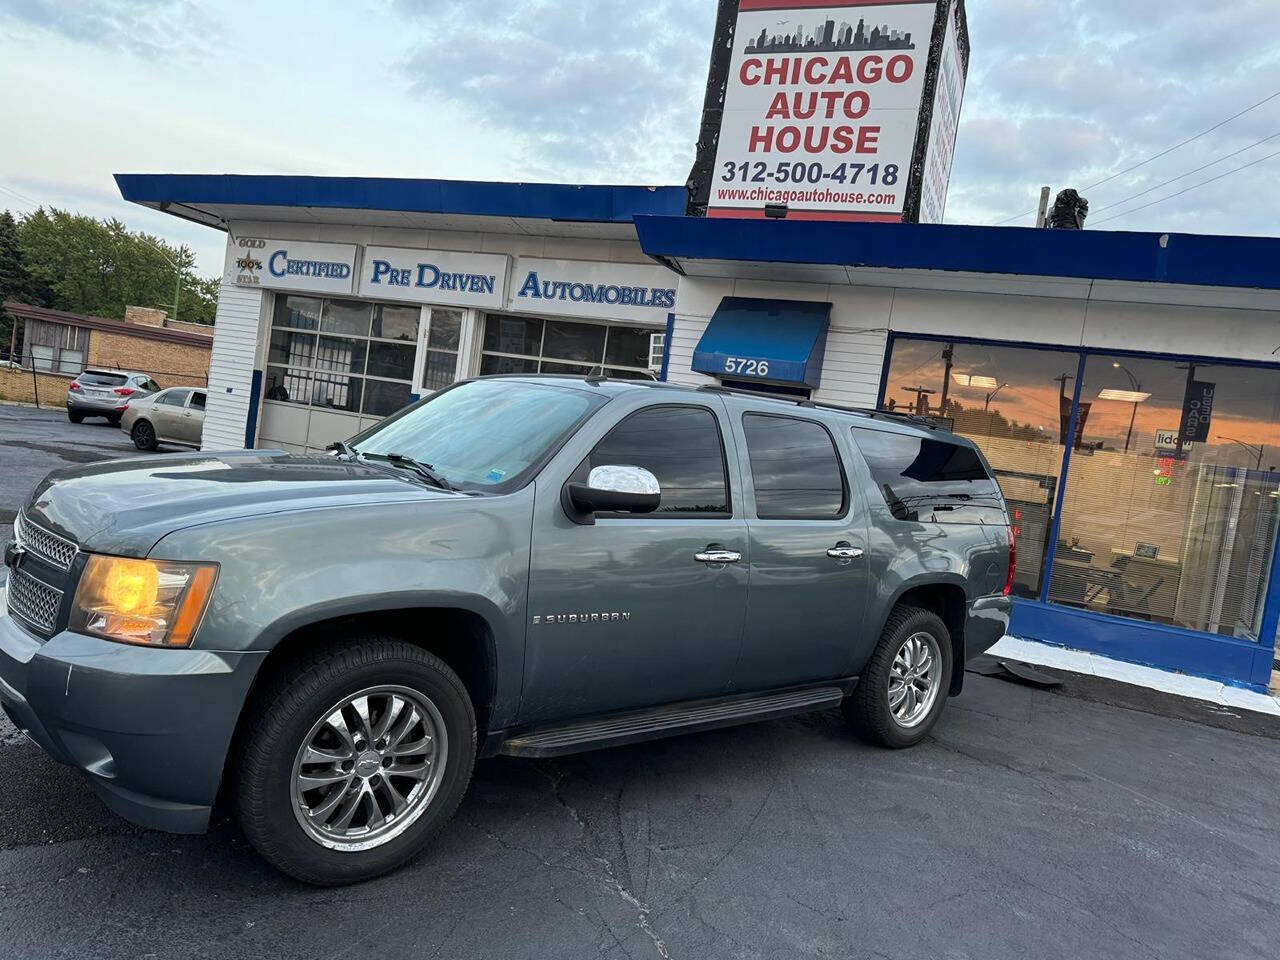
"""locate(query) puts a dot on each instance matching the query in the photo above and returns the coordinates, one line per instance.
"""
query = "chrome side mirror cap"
(613, 488)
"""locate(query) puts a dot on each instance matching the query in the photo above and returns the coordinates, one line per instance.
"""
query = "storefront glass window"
(444, 331)
(1010, 402)
(1172, 493)
(360, 361)
(346, 316)
(396, 323)
(527, 345)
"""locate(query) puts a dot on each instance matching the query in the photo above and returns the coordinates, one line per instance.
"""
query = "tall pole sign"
(835, 109)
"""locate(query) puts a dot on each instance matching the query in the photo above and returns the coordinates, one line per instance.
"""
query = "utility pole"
(948, 354)
(1044, 207)
(922, 393)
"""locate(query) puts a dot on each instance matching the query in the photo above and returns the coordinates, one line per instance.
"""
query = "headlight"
(150, 602)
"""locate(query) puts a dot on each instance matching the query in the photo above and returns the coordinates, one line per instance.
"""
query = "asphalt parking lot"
(33, 442)
(1031, 824)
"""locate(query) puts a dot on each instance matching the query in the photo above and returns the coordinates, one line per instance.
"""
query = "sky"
(1060, 92)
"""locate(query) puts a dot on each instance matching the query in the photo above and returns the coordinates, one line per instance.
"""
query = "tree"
(99, 267)
(16, 282)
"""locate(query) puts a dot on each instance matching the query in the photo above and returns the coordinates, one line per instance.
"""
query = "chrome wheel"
(369, 768)
(914, 679)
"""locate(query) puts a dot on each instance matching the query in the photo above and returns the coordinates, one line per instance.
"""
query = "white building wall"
(231, 365)
(1107, 316)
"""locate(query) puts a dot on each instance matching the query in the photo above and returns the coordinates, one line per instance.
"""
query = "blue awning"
(774, 341)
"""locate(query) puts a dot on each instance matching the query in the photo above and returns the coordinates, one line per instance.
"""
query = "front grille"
(33, 602)
(50, 546)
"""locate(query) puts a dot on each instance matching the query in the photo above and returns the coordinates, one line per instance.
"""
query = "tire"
(114, 421)
(75, 417)
(143, 435)
(291, 713)
(868, 708)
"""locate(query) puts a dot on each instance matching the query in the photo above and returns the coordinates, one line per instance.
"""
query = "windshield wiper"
(425, 470)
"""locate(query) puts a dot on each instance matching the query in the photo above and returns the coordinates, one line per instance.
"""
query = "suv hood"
(126, 506)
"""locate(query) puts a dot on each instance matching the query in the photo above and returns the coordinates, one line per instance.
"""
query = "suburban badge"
(581, 618)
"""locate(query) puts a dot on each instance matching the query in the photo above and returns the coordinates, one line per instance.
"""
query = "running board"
(636, 726)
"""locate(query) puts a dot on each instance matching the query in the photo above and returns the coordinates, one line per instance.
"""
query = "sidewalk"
(1164, 681)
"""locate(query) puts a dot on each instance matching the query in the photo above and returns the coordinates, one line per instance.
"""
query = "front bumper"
(150, 727)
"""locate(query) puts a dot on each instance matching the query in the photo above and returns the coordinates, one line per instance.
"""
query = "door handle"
(714, 554)
(844, 551)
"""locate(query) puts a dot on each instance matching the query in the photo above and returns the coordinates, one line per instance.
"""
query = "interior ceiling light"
(973, 380)
(1128, 396)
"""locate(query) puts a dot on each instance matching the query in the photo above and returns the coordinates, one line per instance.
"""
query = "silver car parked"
(174, 416)
(106, 393)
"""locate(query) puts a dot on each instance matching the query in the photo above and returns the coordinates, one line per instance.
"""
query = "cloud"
(1070, 92)
(150, 28)
(609, 90)
(1064, 92)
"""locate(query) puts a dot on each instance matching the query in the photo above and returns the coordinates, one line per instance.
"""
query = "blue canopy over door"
(772, 341)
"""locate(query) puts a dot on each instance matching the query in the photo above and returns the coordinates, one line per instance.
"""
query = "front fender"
(284, 571)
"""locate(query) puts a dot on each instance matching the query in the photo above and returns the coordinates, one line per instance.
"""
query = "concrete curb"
(1165, 681)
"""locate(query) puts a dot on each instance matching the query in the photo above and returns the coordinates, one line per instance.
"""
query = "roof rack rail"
(932, 423)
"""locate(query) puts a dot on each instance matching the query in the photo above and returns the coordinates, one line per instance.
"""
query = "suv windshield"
(484, 433)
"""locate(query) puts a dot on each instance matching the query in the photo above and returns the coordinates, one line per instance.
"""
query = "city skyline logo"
(827, 37)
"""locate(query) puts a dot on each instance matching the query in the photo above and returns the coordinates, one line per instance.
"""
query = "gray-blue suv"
(528, 566)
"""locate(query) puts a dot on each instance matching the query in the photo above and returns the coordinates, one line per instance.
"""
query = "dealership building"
(1124, 386)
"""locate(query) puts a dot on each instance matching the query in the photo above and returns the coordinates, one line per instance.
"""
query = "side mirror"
(612, 489)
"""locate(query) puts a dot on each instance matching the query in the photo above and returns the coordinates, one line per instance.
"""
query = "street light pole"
(991, 396)
(177, 273)
(1257, 449)
(1136, 385)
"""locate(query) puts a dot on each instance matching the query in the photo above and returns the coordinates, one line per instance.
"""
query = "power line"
(1157, 156)
(1194, 186)
(1206, 166)
(21, 198)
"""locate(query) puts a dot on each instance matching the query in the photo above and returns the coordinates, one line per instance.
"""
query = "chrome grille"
(50, 546)
(33, 602)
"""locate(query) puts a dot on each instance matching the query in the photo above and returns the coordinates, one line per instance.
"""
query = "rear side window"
(91, 378)
(681, 446)
(922, 479)
(795, 469)
(173, 398)
(197, 401)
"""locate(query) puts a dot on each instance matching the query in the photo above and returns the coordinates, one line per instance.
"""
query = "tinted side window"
(173, 398)
(197, 401)
(795, 469)
(925, 479)
(681, 446)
